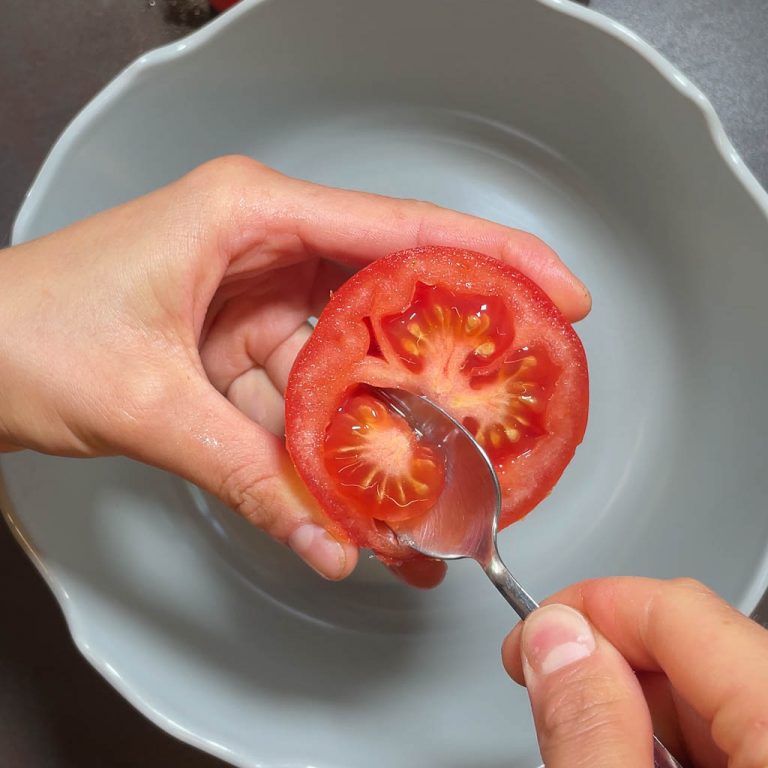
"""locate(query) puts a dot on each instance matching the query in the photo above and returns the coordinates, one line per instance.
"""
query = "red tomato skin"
(222, 5)
(335, 359)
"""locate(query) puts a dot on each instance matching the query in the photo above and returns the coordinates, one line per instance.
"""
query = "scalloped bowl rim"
(172, 51)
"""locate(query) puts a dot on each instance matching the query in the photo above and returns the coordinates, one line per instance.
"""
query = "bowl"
(538, 114)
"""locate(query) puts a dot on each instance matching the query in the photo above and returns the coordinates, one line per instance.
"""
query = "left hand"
(165, 329)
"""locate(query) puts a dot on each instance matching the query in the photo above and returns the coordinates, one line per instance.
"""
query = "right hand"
(638, 654)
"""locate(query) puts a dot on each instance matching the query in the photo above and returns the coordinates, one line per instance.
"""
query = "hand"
(165, 329)
(671, 653)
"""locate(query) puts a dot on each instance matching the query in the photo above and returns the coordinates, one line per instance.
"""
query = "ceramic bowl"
(536, 113)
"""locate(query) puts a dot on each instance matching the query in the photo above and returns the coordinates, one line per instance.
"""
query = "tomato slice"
(475, 336)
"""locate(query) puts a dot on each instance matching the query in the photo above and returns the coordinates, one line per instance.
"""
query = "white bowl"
(536, 113)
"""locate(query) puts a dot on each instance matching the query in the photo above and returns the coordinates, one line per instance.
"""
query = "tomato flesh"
(379, 464)
(469, 332)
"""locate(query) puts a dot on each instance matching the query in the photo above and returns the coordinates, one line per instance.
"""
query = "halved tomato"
(474, 335)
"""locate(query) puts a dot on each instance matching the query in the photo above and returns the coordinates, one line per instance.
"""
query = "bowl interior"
(523, 114)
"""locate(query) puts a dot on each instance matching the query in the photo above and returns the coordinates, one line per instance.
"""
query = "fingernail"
(554, 637)
(319, 550)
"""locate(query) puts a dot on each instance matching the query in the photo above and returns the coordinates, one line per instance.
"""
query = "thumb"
(588, 707)
(202, 437)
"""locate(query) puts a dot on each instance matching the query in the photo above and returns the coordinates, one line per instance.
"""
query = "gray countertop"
(55, 711)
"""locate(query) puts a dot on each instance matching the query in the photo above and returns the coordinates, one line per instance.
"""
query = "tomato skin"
(340, 356)
(222, 5)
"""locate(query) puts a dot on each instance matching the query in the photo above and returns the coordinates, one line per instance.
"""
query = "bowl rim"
(201, 37)
(198, 39)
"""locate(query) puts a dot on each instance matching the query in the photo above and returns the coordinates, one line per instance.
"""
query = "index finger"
(714, 656)
(356, 228)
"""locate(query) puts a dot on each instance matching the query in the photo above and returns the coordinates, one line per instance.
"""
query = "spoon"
(464, 521)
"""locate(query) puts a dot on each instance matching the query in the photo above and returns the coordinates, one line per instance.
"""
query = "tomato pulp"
(475, 336)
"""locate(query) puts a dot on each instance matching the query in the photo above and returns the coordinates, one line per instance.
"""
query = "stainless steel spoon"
(464, 521)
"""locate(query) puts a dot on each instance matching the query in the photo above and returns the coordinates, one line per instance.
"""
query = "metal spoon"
(465, 519)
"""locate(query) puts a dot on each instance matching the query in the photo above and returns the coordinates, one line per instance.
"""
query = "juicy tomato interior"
(379, 463)
(460, 345)
(442, 334)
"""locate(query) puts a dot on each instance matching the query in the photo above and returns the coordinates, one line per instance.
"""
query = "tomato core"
(460, 347)
(380, 464)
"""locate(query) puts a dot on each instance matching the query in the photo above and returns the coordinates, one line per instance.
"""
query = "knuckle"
(664, 600)
(135, 418)
(229, 172)
(757, 737)
(251, 495)
(672, 593)
(740, 728)
(524, 244)
(581, 706)
(410, 207)
(423, 213)
(425, 207)
(689, 586)
(752, 750)
(226, 190)
(140, 398)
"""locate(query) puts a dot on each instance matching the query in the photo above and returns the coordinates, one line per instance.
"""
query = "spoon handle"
(524, 604)
(508, 585)
(662, 757)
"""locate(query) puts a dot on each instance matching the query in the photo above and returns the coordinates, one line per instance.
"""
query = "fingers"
(588, 707)
(715, 658)
(206, 439)
(274, 219)
(257, 397)
(247, 334)
(357, 228)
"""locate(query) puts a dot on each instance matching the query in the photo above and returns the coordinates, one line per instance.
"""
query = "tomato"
(222, 5)
(475, 336)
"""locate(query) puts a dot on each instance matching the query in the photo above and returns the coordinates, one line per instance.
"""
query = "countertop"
(55, 711)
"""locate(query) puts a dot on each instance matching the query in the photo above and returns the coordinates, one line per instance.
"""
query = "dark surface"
(55, 711)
